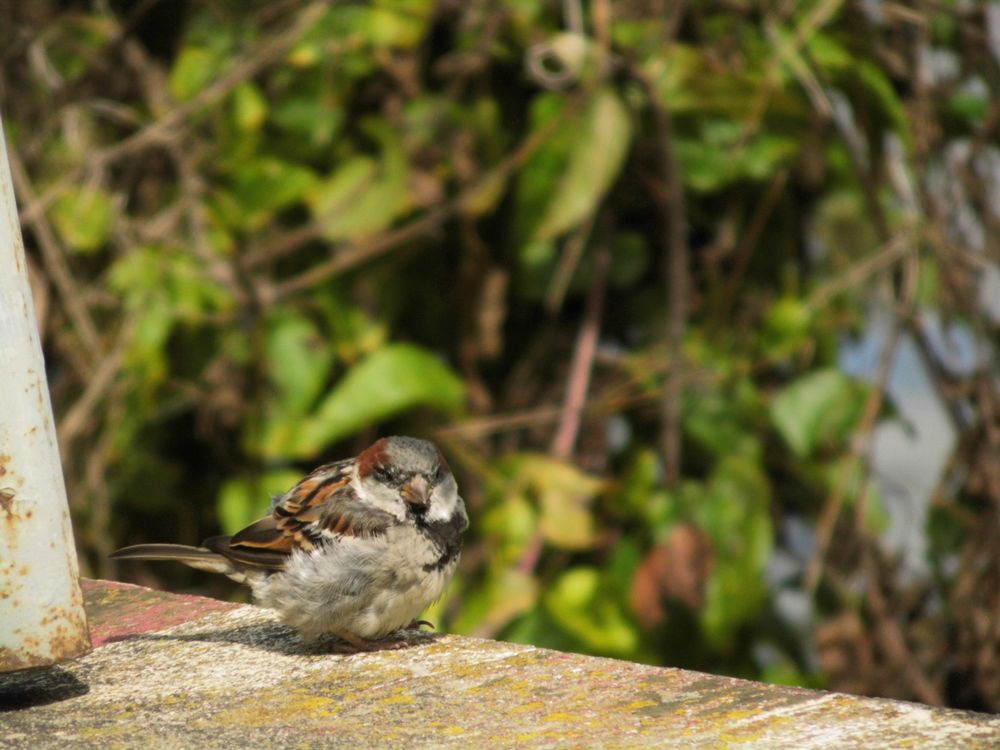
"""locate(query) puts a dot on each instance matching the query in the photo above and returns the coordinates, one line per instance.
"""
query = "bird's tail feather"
(194, 557)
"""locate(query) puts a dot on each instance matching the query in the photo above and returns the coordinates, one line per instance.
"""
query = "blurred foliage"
(262, 234)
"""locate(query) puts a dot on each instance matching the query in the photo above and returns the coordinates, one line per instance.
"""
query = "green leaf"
(565, 495)
(355, 332)
(970, 104)
(787, 327)
(265, 185)
(341, 190)
(84, 218)
(193, 69)
(485, 194)
(828, 53)
(249, 107)
(722, 153)
(511, 522)
(820, 408)
(364, 196)
(505, 594)
(538, 178)
(640, 495)
(561, 492)
(398, 24)
(713, 419)
(734, 509)
(879, 84)
(580, 602)
(161, 288)
(392, 380)
(599, 147)
(298, 360)
(314, 120)
(145, 354)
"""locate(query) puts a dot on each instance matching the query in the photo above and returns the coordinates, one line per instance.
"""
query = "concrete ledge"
(180, 672)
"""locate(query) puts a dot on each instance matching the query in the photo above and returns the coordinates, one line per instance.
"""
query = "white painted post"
(41, 607)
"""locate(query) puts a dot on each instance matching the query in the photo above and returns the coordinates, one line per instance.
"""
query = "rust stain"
(7, 502)
(12, 660)
(67, 631)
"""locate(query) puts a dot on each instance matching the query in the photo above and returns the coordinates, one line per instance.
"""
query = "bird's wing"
(322, 505)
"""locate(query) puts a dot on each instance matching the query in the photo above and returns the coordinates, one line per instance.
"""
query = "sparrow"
(357, 549)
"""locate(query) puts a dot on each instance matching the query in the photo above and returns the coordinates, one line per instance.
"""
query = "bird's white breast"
(366, 587)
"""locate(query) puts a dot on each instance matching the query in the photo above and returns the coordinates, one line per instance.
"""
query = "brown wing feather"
(263, 534)
(314, 491)
(264, 558)
(322, 502)
(351, 517)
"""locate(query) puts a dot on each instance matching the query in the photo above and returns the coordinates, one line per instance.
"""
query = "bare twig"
(890, 636)
(582, 363)
(361, 252)
(283, 245)
(861, 444)
(899, 247)
(571, 255)
(76, 420)
(162, 129)
(366, 250)
(629, 394)
(744, 250)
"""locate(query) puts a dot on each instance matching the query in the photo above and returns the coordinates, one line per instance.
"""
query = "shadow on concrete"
(38, 687)
(283, 639)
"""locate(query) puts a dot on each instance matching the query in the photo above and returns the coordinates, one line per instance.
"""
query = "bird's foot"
(347, 643)
(417, 624)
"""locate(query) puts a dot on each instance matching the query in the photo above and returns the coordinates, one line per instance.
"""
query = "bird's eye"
(383, 474)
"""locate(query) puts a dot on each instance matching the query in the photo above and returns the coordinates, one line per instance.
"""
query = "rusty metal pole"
(42, 620)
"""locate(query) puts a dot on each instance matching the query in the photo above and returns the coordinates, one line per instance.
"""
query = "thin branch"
(632, 393)
(571, 255)
(861, 444)
(747, 244)
(893, 642)
(279, 247)
(98, 385)
(366, 250)
(161, 130)
(360, 252)
(582, 363)
(899, 247)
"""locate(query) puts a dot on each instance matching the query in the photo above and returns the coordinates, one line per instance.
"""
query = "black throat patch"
(446, 536)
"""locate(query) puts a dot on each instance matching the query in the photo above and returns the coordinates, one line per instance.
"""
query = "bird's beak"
(416, 490)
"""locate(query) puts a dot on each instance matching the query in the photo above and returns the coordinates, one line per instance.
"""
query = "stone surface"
(180, 672)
